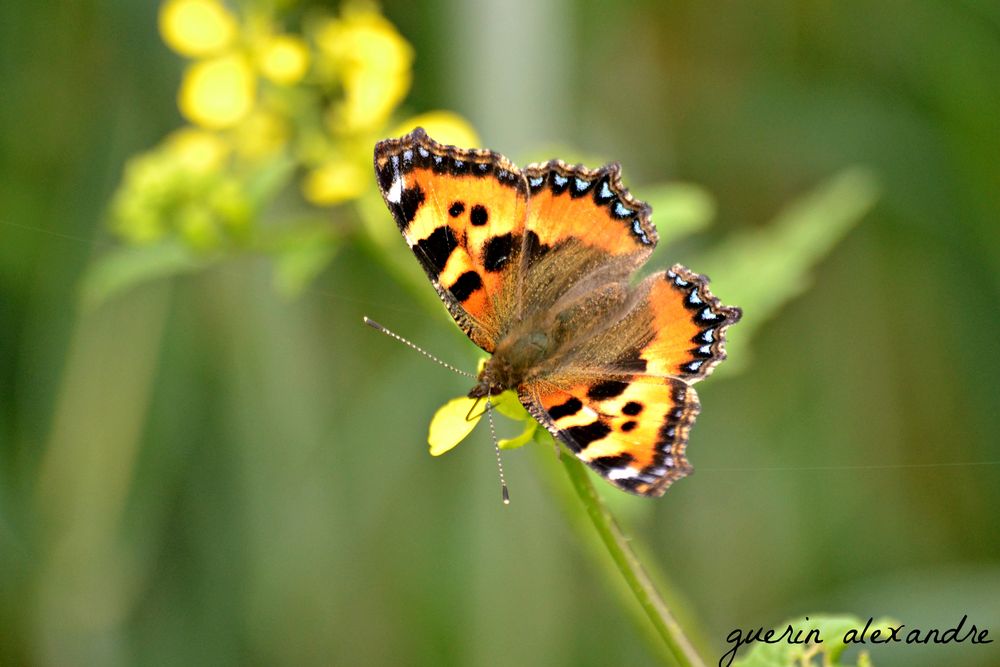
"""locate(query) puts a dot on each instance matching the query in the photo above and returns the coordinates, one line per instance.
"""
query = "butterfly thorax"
(515, 356)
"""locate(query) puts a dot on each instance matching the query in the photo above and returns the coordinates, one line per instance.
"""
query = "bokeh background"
(205, 458)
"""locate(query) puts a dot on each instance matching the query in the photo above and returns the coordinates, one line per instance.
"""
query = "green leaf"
(127, 266)
(761, 271)
(679, 209)
(831, 630)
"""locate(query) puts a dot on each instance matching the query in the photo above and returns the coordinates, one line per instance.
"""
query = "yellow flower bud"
(335, 182)
(372, 60)
(260, 135)
(218, 93)
(284, 59)
(197, 227)
(196, 28)
(197, 150)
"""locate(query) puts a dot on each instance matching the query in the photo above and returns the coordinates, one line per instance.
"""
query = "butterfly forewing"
(462, 213)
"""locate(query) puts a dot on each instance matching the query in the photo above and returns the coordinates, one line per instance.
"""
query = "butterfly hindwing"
(631, 430)
(621, 399)
(462, 213)
(688, 323)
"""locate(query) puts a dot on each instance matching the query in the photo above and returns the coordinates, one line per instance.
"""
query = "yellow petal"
(443, 126)
(510, 406)
(284, 59)
(449, 425)
(335, 182)
(196, 28)
(371, 60)
(197, 150)
(217, 93)
(261, 134)
(524, 438)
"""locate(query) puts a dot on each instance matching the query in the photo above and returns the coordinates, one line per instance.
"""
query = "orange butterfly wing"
(462, 213)
(627, 413)
(590, 205)
(635, 439)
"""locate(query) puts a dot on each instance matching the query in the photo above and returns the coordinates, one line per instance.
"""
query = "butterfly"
(534, 265)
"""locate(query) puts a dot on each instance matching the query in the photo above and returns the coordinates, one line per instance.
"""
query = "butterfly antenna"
(496, 446)
(378, 327)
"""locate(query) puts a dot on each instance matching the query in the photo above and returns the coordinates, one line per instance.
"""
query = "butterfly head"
(513, 359)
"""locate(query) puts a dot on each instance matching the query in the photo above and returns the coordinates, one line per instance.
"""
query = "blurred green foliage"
(203, 470)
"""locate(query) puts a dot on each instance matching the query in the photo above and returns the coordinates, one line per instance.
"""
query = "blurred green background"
(202, 469)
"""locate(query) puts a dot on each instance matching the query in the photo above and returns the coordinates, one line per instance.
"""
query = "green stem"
(638, 580)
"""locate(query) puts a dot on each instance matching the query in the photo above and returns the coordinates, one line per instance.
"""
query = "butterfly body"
(536, 266)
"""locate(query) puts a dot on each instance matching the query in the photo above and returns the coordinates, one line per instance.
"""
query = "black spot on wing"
(410, 201)
(466, 284)
(629, 425)
(386, 175)
(570, 407)
(437, 248)
(612, 462)
(457, 208)
(478, 216)
(582, 436)
(632, 408)
(497, 252)
(632, 361)
(607, 389)
(534, 249)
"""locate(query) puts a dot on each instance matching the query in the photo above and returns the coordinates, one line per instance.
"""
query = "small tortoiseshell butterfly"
(534, 266)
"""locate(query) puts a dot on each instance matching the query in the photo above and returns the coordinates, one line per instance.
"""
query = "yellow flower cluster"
(267, 105)
(181, 187)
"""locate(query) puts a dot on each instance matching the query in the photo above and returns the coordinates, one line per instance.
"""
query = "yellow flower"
(372, 61)
(197, 150)
(284, 59)
(458, 417)
(334, 182)
(196, 28)
(218, 93)
(450, 425)
(444, 126)
(197, 226)
(261, 134)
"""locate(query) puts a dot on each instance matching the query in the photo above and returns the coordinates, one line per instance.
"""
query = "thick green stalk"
(667, 627)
